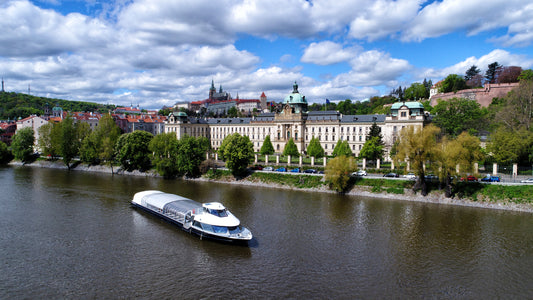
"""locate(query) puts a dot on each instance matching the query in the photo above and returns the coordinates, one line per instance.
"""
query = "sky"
(154, 53)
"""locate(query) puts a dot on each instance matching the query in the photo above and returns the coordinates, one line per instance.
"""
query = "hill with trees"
(17, 105)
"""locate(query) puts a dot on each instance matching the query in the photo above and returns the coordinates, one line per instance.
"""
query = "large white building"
(294, 121)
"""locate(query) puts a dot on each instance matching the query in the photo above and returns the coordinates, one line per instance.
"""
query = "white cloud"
(383, 18)
(327, 53)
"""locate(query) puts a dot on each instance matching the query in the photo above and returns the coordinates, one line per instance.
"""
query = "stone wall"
(483, 96)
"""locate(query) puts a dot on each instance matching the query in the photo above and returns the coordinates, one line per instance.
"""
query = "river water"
(74, 235)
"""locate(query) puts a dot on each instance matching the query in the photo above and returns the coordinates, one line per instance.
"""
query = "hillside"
(18, 105)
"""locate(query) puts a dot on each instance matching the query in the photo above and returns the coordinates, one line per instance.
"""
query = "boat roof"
(159, 199)
(214, 205)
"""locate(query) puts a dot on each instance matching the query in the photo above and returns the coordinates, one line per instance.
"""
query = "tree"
(418, 145)
(50, 139)
(457, 115)
(453, 83)
(100, 143)
(346, 107)
(507, 146)
(526, 75)
(372, 149)
(22, 144)
(338, 172)
(518, 109)
(233, 112)
(475, 81)
(315, 149)
(342, 149)
(416, 91)
(132, 150)
(267, 148)
(70, 144)
(471, 72)
(463, 152)
(164, 148)
(238, 152)
(191, 153)
(5, 154)
(291, 149)
(492, 72)
(509, 74)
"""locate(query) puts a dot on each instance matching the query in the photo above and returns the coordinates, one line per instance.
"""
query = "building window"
(404, 114)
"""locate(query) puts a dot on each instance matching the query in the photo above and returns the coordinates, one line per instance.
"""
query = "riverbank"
(436, 197)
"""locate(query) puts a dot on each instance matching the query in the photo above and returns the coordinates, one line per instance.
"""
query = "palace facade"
(294, 121)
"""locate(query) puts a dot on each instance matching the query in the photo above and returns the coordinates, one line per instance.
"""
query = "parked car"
(311, 171)
(431, 178)
(469, 178)
(529, 180)
(270, 169)
(257, 167)
(391, 175)
(320, 172)
(410, 176)
(491, 179)
(281, 169)
(359, 173)
(297, 170)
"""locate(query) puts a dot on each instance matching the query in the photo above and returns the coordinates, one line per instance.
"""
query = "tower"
(3, 85)
(212, 90)
(263, 101)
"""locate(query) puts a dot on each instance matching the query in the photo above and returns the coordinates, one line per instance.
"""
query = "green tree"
(517, 111)
(164, 148)
(191, 153)
(338, 172)
(5, 154)
(50, 139)
(267, 148)
(416, 91)
(70, 143)
(291, 148)
(372, 149)
(238, 152)
(492, 72)
(22, 144)
(453, 83)
(507, 146)
(457, 115)
(132, 150)
(346, 107)
(471, 72)
(462, 151)
(526, 75)
(89, 149)
(315, 149)
(233, 112)
(418, 146)
(342, 149)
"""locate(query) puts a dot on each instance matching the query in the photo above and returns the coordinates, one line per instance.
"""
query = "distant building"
(34, 122)
(8, 131)
(294, 121)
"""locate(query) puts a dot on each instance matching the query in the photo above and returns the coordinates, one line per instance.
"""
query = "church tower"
(263, 101)
(212, 90)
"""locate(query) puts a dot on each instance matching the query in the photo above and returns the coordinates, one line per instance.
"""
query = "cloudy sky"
(158, 52)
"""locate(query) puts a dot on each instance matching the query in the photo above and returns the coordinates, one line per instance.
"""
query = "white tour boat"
(211, 220)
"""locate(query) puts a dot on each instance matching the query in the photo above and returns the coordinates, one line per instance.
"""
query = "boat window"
(219, 213)
(234, 229)
(220, 229)
(207, 227)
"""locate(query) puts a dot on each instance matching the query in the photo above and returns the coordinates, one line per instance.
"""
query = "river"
(74, 235)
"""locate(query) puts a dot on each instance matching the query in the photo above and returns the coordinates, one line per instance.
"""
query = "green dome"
(181, 114)
(295, 97)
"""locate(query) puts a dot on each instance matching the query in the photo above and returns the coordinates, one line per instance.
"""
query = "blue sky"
(157, 52)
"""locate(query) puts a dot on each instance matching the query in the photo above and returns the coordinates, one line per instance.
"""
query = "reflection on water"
(74, 234)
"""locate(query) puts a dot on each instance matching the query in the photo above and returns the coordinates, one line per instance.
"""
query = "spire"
(212, 84)
(220, 90)
(3, 85)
